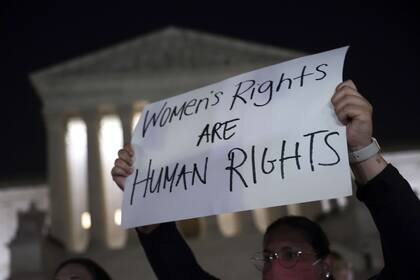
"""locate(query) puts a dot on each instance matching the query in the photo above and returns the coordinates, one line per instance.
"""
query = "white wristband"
(365, 153)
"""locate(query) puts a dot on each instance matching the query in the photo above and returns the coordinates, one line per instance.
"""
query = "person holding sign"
(295, 247)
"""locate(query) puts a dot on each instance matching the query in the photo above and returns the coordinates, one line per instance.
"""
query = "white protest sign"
(260, 139)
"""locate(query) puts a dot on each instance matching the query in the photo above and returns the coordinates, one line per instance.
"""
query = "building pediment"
(149, 68)
(167, 50)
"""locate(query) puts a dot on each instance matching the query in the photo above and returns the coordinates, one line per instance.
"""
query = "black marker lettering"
(170, 178)
(215, 131)
(323, 72)
(269, 161)
(196, 173)
(335, 152)
(206, 133)
(282, 79)
(199, 102)
(238, 92)
(163, 119)
(133, 189)
(254, 172)
(190, 103)
(283, 158)
(227, 128)
(232, 168)
(311, 146)
(302, 75)
(157, 185)
(216, 95)
(178, 113)
(182, 174)
(268, 87)
(153, 120)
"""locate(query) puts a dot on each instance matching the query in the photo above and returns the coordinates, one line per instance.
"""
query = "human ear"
(326, 266)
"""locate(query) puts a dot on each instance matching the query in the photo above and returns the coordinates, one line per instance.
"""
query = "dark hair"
(95, 269)
(311, 231)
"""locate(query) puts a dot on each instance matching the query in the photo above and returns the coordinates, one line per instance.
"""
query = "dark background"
(383, 59)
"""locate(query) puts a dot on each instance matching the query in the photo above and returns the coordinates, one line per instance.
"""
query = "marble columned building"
(90, 104)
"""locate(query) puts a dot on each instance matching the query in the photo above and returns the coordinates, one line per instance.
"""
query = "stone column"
(248, 223)
(60, 207)
(126, 116)
(293, 209)
(210, 227)
(229, 224)
(96, 199)
(264, 217)
(311, 210)
(277, 212)
(125, 112)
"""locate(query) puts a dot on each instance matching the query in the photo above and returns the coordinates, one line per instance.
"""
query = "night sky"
(383, 59)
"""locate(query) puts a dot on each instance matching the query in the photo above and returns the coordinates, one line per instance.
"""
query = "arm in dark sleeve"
(396, 212)
(169, 254)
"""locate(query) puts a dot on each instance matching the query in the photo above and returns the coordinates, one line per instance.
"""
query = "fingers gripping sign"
(354, 111)
(123, 166)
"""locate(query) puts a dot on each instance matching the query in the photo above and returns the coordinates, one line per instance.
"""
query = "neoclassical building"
(90, 105)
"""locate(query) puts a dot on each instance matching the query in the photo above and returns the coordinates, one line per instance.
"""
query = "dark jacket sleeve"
(169, 254)
(396, 212)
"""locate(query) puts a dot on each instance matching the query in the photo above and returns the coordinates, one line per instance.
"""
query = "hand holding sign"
(123, 167)
(354, 111)
(260, 139)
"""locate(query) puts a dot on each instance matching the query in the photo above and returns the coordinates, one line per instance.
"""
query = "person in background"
(295, 247)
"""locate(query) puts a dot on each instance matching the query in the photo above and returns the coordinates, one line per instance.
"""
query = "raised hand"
(123, 165)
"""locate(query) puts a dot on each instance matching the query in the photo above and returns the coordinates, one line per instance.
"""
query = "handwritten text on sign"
(264, 138)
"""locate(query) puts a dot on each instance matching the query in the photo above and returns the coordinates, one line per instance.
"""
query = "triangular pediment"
(165, 50)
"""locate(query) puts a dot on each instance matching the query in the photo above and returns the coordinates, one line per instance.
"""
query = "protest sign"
(260, 139)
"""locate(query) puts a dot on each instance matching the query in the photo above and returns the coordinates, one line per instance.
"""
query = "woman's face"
(286, 238)
(73, 271)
